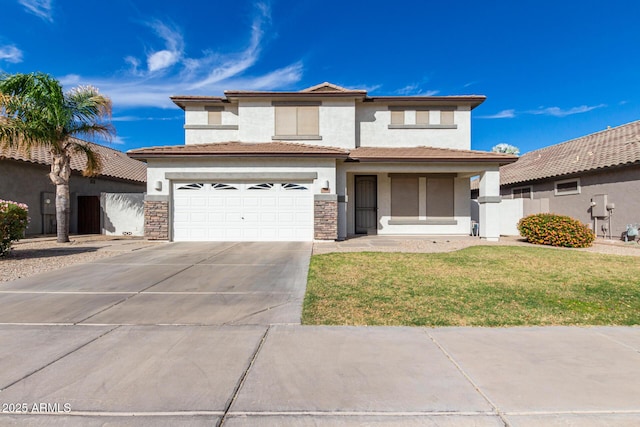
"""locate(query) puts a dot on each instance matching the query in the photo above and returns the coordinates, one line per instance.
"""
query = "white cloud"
(415, 90)
(171, 71)
(40, 8)
(10, 53)
(504, 114)
(558, 112)
(174, 47)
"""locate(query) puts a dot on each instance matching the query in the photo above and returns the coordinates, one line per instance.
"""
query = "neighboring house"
(594, 179)
(323, 163)
(25, 178)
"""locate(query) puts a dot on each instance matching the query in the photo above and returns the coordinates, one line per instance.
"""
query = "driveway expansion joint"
(498, 412)
(61, 357)
(133, 294)
(243, 378)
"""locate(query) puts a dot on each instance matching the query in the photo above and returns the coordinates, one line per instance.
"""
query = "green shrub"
(13, 221)
(555, 230)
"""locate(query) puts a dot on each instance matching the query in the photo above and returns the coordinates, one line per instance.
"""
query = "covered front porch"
(419, 195)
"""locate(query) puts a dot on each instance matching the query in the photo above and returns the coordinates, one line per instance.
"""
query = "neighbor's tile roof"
(115, 164)
(378, 154)
(612, 147)
(275, 148)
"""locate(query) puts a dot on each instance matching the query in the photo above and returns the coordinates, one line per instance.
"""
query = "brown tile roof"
(427, 154)
(115, 164)
(612, 147)
(288, 149)
(269, 149)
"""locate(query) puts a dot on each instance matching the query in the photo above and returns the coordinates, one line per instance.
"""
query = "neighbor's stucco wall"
(620, 185)
(122, 214)
(373, 130)
(25, 182)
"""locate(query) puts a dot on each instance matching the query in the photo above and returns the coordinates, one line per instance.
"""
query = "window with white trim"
(567, 187)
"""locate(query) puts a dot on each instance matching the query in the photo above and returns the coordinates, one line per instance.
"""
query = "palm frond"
(94, 159)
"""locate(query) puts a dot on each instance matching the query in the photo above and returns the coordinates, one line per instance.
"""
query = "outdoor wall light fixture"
(325, 184)
(158, 186)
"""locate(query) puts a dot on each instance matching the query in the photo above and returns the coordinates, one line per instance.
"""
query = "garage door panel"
(267, 212)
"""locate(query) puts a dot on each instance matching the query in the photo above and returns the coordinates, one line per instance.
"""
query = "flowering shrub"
(13, 221)
(555, 230)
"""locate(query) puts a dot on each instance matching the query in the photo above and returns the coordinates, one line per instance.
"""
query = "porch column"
(489, 201)
(341, 191)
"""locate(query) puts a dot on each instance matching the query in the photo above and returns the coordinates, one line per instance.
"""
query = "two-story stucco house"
(322, 163)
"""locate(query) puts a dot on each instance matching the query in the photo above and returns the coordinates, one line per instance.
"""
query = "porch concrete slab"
(542, 369)
(54, 308)
(187, 309)
(147, 369)
(574, 420)
(110, 421)
(95, 277)
(27, 348)
(267, 278)
(321, 368)
(328, 420)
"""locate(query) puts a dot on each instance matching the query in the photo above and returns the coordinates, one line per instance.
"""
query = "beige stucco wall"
(620, 185)
(24, 182)
(373, 130)
(343, 123)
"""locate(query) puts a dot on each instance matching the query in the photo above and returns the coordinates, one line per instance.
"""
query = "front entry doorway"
(366, 192)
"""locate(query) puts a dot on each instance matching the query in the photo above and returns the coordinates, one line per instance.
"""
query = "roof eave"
(142, 156)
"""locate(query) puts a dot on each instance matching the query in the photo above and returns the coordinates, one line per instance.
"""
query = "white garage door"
(260, 211)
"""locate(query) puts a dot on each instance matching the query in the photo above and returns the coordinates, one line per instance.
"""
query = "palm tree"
(35, 111)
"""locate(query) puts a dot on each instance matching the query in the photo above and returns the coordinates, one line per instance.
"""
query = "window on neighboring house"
(214, 115)
(302, 121)
(567, 187)
(521, 193)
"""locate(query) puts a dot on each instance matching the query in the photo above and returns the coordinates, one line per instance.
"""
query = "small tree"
(506, 148)
(13, 221)
(34, 111)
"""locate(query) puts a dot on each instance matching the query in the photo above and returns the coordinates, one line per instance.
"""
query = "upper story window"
(297, 121)
(422, 117)
(214, 115)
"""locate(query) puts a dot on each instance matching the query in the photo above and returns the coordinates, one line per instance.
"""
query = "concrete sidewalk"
(316, 375)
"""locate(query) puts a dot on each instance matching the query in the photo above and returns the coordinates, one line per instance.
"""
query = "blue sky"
(551, 70)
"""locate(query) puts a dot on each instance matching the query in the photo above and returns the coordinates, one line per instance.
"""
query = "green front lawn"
(479, 286)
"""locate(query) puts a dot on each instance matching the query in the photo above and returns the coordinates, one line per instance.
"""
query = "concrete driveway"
(207, 334)
(173, 284)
